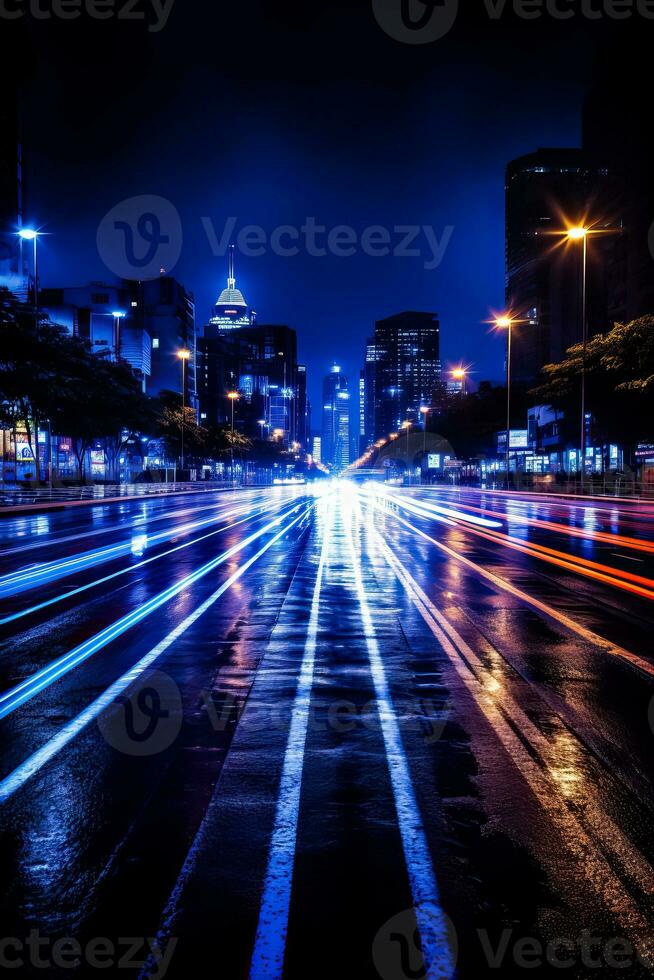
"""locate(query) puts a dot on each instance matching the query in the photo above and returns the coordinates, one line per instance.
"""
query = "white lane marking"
(612, 648)
(16, 696)
(587, 853)
(42, 756)
(432, 923)
(627, 557)
(270, 942)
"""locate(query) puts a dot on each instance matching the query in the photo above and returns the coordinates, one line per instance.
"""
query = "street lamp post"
(262, 424)
(506, 323)
(580, 234)
(407, 427)
(184, 356)
(233, 397)
(424, 411)
(32, 235)
(118, 315)
(460, 374)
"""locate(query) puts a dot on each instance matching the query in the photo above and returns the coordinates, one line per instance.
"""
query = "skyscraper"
(545, 192)
(335, 443)
(260, 363)
(166, 310)
(404, 362)
(367, 397)
(108, 316)
(231, 311)
(617, 133)
(12, 273)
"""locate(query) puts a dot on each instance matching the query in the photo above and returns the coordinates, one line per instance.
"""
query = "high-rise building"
(335, 443)
(302, 409)
(12, 273)
(406, 367)
(166, 311)
(367, 397)
(231, 312)
(546, 192)
(260, 364)
(103, 315)
(617, 133)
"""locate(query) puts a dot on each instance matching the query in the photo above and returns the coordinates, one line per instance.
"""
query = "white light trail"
(16, 779)
(16, 696)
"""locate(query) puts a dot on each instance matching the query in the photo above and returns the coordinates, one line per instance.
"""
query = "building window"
(155, 343)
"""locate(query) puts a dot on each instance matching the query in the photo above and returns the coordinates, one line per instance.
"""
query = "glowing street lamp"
(460, 374)
(262, 424)
(233, 397)
(184, 355)
(118, 315)
(32, 235)
(580, 234)
(424, 411)
(506, 322)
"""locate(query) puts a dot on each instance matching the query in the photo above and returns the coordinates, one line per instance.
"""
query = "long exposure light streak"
(13, 698)
(131, 568)
(37, 575)
(505, 717)
(12, 782)
(628, 581)
(573, 625)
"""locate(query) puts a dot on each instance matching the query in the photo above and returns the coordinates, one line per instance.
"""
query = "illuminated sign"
(519, 439)
(434, 461)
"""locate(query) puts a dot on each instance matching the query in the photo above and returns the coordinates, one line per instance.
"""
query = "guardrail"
(21, 496)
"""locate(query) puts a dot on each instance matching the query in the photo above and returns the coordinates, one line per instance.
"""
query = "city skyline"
(327, 489)
(469, 198)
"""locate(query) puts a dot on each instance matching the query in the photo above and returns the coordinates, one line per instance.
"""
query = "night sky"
(272, 112)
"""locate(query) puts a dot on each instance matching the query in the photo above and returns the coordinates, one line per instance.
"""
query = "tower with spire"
(231, 312)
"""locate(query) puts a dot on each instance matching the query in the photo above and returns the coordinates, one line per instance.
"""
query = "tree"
(168, 423)
(47, 373)
(619, 368)
(470, 423)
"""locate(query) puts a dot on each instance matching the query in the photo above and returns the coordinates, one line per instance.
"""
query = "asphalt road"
(361, 732)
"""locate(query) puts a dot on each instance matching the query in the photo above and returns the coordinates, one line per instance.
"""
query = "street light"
(32, 235)
(506, 323)
(118, 315)
(184, 355)
(460, 374)
(580, 234)
(407, 427)
(233, 397)
(262, 424)
(424, 411)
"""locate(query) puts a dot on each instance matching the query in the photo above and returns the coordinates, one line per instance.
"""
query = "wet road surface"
(362, 732)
